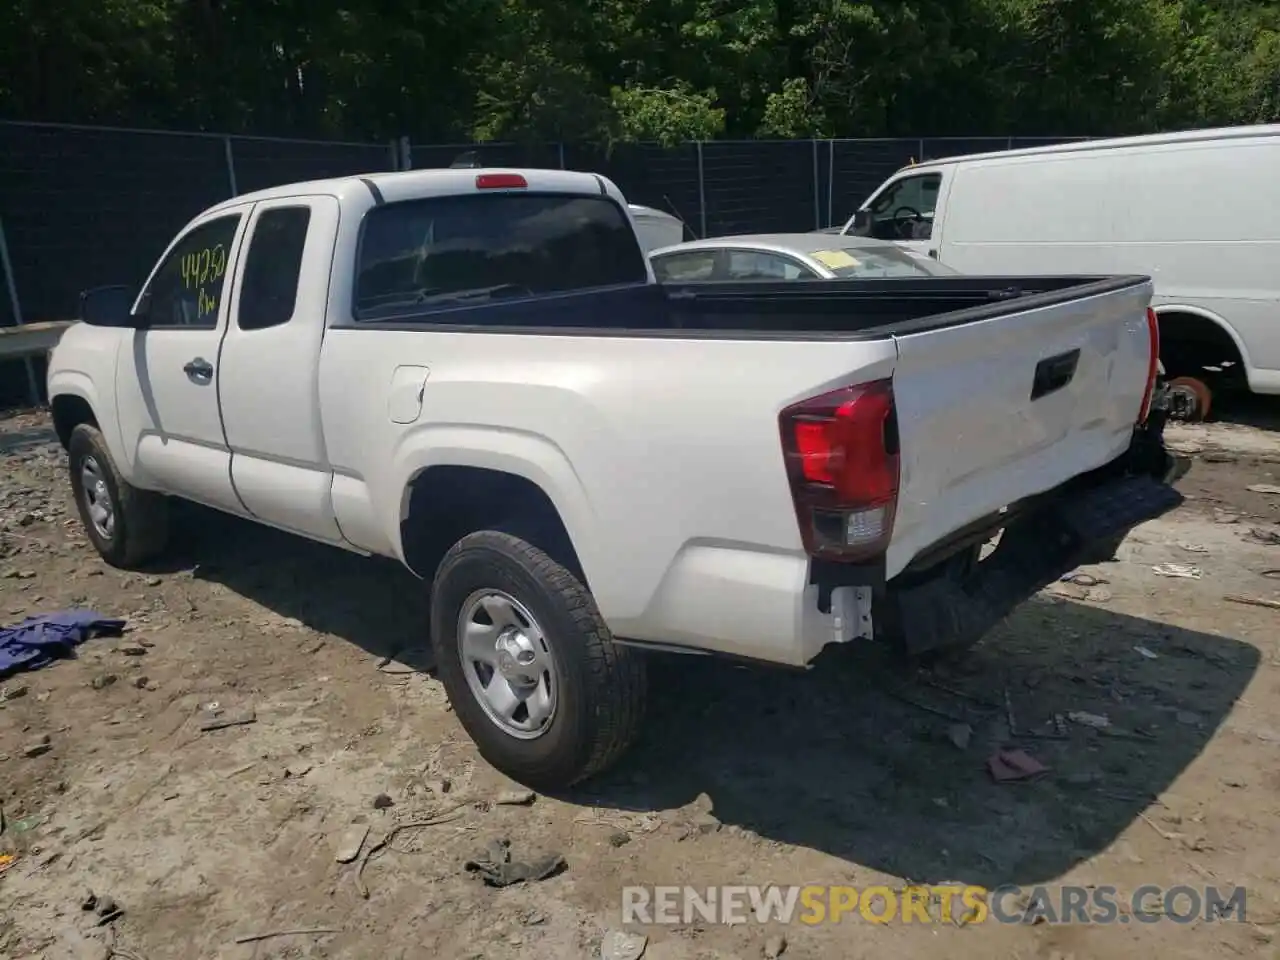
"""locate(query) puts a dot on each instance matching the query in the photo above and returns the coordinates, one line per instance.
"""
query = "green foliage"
(666, 70)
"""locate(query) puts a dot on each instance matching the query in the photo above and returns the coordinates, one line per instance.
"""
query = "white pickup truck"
(474, 371)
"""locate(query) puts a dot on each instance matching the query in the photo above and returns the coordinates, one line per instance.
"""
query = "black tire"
(602, 684)
(141, 518)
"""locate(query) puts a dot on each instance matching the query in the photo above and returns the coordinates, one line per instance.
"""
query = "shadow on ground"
(374, 603)
(853, 758)
(1247, 409)
(25, 439)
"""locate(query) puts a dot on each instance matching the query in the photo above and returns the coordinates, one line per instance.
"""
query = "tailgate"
(998, 409)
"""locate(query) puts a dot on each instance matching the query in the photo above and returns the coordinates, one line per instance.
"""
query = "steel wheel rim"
(97, 498)
(508, 663)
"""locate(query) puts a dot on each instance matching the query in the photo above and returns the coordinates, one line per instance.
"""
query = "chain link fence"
(84, 206)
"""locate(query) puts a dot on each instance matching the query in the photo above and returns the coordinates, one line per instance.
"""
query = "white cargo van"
(655, 228)
(1198, 211)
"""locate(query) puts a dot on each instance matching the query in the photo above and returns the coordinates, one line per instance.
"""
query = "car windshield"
(847, 262)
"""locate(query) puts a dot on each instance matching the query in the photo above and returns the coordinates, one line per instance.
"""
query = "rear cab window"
(471, 248)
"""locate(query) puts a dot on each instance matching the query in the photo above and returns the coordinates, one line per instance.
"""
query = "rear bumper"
(955, 601)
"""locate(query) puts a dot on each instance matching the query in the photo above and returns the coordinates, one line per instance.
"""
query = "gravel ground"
(858, 772)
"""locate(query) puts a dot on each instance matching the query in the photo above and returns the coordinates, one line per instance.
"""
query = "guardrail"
(30, 339)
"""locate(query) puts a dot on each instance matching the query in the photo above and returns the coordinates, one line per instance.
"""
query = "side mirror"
(108, 307)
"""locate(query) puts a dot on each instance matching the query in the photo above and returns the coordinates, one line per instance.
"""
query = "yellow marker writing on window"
(835, 259)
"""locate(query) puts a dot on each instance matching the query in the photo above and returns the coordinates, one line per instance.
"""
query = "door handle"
(200, 370)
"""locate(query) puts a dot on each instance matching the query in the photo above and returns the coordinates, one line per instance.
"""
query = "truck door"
(167, 374)
(270, 365)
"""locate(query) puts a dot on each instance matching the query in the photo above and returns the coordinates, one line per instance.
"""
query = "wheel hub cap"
(508, 663)
(97, 498)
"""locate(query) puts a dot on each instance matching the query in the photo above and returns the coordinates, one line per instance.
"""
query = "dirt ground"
(848, 774)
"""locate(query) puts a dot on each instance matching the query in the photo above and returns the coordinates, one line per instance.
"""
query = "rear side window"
(444, 251)
(269, 290)
(677, 267)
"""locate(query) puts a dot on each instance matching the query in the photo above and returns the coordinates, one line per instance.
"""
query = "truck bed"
(820, 309)
(856, 309)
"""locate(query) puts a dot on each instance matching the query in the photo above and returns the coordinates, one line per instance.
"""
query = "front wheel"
(532, 671)
(127, 526)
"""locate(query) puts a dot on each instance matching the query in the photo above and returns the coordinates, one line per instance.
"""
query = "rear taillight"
(1153, 365)
(842, 459)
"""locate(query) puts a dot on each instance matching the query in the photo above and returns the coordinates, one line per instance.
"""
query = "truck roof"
(1112, 143)
(412, 184)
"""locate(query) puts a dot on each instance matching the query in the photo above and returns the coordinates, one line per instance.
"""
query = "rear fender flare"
(531, 456)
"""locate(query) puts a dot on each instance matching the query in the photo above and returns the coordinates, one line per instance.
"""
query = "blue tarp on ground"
(38, 641)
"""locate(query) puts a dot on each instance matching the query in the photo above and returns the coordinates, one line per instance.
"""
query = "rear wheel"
(530, 667)
(127, 526)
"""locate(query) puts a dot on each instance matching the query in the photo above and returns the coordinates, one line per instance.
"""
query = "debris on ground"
(1184, 571)
(273, 934)
(382, 801)
(351, 842)
(1085, 719)
(15, 692)
(960, 734)
(1252, 601)
(515, 798)
(295, 770)
(1007, 766)
(705, 823)
(620, 945)
(7, 860)
(37, 641)
(395, 668)
(496, 865)
(105, 907)
(1192, 547)
(391, 834)
(215, 718)
(775, 947)
(1270, 538)
(102, 681)
(38, 748)
(1270, 488)
(1081, 579)
(1145, 653)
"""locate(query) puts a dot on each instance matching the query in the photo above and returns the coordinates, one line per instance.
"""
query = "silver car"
(790, 256)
